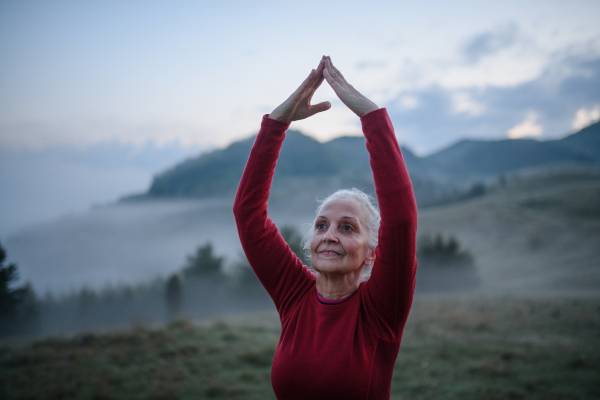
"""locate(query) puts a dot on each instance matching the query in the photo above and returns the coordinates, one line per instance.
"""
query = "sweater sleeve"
(389, 291)
(276, 266)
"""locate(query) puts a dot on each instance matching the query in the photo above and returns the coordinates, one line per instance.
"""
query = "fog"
(113, 266)
(126, 243)
(42, 185)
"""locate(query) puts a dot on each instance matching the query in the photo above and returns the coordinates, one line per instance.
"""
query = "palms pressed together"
(298, 105)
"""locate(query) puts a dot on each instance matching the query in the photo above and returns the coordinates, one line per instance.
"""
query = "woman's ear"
(370, 257)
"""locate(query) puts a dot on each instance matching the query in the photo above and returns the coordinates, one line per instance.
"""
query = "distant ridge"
(346, 160)
(493, 158)
(586, 141)
(485, 158)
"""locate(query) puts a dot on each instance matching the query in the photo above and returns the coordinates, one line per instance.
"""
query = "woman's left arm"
(390, 289)
(391, 286)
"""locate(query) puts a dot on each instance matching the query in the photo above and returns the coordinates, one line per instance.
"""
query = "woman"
(340, 336)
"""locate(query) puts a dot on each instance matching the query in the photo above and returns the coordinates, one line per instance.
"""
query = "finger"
(311, 77)
(327, 75)
(318, 78)
(329, 67)
(308, 82)
(318, 82)
(333, 82)
(321, 66)
(312, 81)
(333, 66)
(337, 71)
(319, 75)
(310, 94)
(327, 70)
(334, 73)
(317, 108)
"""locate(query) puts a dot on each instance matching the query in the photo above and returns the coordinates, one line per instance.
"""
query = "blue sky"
(159, 81)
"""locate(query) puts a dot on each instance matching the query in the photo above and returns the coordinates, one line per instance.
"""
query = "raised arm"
(277, 267)
(391, 286)
(389, 291)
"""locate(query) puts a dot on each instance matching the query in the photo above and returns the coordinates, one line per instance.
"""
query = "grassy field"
(453, 348)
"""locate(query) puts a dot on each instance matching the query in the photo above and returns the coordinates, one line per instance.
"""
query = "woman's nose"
(330, 235)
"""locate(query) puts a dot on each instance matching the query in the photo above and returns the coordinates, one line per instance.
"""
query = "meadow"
(454, 347)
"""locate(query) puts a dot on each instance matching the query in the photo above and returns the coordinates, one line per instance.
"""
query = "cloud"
(81, 133)
(487, 43)
(585, 117)
(445, 115)
(365, 64)
(528, 128)
(408, 102)
(463, 103)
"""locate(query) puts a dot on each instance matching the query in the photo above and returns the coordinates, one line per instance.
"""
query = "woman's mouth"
(329, 253)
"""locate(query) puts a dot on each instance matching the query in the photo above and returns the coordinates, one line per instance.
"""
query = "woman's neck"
(337, 286)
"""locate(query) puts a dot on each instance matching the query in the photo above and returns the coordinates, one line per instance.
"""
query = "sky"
(97, 97)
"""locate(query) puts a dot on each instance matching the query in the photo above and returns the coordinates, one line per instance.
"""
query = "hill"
(307, 163)
(537, 232)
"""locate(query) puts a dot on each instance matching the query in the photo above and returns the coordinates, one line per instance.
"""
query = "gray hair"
(372, 223)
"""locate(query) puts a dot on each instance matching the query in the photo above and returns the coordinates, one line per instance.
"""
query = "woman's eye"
(348, 228)
(321, 226)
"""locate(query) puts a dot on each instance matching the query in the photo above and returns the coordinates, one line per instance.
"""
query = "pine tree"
(19, 312)
(9, 298)
(203, 262)
(174, 296)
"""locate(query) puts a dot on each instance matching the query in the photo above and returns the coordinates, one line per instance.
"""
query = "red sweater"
(334, 351)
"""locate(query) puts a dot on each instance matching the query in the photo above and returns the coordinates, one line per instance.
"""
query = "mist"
(42, 185)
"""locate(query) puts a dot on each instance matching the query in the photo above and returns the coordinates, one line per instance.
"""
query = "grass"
(453, 348)
(179, 361)
(502, 348)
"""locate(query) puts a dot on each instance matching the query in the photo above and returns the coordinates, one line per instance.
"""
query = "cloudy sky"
(95, 97)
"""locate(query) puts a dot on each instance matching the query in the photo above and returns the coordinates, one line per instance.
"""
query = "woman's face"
(340, 243)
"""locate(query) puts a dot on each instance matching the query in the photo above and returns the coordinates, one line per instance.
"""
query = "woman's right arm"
(276, 266)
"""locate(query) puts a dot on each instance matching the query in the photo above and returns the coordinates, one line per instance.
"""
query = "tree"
(203, 262)
(444, 266)
(9, 298)
(174, 295)
(436, 250)
(18, 306)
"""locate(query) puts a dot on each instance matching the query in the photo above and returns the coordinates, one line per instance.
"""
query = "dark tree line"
(444, 266)
(19, 313)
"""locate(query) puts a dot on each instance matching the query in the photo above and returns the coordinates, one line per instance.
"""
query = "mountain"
(311, 165)
(586, 141)
(484, 158)
(218, 172)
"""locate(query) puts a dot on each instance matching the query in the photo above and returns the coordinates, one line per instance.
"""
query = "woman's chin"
(330, 268)
(324, 268)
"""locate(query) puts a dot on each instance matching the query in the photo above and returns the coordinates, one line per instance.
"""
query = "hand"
(298, 106)
(355, 101)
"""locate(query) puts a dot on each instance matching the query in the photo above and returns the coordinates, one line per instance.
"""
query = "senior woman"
(340, 333)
